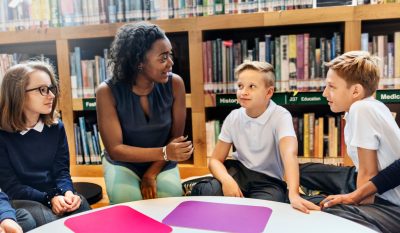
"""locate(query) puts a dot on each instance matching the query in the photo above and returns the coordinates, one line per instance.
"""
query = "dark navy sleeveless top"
(138, 129)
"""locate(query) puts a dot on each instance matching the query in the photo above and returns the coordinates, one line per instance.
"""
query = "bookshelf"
(59, 42)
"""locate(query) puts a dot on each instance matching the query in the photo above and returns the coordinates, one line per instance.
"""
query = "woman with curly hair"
(141, 113)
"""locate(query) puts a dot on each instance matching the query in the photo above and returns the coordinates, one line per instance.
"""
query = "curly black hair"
(129, 48)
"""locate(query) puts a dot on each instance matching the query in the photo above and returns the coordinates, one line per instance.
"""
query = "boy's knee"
(208, 188)
(25, 220)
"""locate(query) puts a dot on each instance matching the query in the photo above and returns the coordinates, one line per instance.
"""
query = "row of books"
(365, 2)
(318, 137)
(86, 75)
(213, 129)
(27, 14)
(8, 60)
(297, 60)
(337, 161)
(88, 143)
(387, 48)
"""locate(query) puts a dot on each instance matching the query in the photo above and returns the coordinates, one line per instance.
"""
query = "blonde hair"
(12, 95)
(263, 67)
(357, 67)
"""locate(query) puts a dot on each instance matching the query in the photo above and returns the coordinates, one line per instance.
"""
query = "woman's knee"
(122, 184)
(169, 190)
(124, 193)
(169, 183)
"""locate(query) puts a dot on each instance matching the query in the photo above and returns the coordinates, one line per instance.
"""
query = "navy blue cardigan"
(388, 178)
(35, 163)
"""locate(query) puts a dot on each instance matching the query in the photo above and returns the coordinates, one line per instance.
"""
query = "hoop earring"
(140, 68)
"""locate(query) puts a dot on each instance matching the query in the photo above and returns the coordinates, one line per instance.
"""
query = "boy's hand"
(333, 200)
(10, 226)
(230, 188)
(303, 205)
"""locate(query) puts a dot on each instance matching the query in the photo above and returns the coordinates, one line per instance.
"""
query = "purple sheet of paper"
(219, 216)
(116, 219)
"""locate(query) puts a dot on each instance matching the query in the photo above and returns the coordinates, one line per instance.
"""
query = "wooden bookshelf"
(351, 17)
(18, 37)
(377, 12)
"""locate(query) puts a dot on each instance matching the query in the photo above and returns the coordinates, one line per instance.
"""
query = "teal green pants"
(123, 185)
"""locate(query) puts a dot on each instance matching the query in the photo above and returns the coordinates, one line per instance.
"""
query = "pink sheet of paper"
(116, 219)
(219, 216)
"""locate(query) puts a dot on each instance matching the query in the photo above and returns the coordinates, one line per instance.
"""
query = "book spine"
(292, 62)
(397, 60)
(306, 135)
(85, 146)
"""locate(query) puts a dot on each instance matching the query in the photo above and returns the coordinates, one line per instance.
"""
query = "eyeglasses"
(44, 90)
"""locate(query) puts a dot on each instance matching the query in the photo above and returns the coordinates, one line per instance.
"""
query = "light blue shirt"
(257, 139)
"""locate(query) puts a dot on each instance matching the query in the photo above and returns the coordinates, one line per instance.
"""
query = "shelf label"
(305, 98)
(89, 104)
(226, 100)
(280, 98)
(388, 96)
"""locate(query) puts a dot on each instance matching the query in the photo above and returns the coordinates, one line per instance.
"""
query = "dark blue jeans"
(43, 214)
(252, 184)
(25, 219)
(382, 216)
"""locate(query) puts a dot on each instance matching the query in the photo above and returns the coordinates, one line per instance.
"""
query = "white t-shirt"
(370, 125)
(257, 139)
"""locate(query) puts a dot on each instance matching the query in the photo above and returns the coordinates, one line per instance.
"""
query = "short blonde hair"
(263, 67)
(357, 67)
(12, 95)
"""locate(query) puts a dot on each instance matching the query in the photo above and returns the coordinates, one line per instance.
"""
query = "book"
(326, 3)
(85, 146)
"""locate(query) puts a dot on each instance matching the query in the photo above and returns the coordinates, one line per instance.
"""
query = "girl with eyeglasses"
(34, 156)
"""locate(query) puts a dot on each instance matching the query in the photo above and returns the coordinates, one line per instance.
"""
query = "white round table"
(284, 218)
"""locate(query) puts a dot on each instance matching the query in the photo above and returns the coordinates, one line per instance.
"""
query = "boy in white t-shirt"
(371, 134)
(265, 141)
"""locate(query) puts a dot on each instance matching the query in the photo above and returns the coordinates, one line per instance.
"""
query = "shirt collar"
(346, 114)
(262, 119)
(38, 127)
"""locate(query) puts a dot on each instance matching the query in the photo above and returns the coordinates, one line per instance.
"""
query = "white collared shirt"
(257, 139)
(38, 127)
(370, 125)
